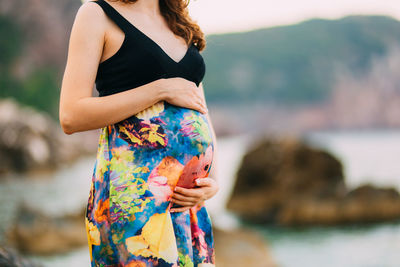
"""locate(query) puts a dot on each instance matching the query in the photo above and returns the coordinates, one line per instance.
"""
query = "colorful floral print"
(139, 162)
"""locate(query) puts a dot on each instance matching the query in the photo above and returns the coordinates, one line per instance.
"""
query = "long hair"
(176, 14)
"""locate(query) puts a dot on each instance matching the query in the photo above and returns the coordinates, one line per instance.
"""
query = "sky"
(218, 16)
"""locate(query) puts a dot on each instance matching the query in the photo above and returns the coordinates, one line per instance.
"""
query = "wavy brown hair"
(177, 16)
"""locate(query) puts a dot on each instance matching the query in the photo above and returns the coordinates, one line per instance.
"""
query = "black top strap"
(114, 15)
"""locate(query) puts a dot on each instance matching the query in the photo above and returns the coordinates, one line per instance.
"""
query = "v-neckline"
(151, 40)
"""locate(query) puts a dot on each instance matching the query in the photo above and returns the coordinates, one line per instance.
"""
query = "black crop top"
(140, 60)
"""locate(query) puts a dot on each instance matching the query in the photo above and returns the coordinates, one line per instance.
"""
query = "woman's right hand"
(184, 93)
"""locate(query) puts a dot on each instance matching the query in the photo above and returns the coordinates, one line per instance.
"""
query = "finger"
(203, 104)
(199, 101)
(181, 209)
(206, 181)
(179, 196)
(194, 104)
(197, 94)
(184, 203)
(199, 108)
(190, 192)
(203, 109)
(200, 98)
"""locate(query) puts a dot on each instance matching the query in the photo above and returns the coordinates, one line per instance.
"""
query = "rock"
(241, 247)
(371, 204)
(36, 233)
(30, 140)
(276, 171)
(287, 182)
(11, 258)
(376, 205)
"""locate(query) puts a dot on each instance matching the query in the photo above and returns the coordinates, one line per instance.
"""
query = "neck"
(149, 7)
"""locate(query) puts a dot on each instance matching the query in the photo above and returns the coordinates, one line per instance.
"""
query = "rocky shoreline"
(32, 141)
(34, 232)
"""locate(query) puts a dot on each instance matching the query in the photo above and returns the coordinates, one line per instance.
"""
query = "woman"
(146, 205)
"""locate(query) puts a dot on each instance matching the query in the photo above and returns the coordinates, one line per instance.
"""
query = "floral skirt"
(139, 162)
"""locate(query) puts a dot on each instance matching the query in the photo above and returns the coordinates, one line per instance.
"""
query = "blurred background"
(305, 100)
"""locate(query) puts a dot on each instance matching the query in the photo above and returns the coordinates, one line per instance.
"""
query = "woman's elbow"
(67, 123)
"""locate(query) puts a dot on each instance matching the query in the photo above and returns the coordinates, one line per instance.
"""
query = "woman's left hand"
(189, 197)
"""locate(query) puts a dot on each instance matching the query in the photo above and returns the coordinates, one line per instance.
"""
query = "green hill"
(39, 88)
(296, 63)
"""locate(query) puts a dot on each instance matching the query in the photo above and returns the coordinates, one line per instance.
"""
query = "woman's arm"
(79, 110)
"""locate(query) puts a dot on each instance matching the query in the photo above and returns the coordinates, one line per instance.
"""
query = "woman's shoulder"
(91, 12)
(89, 27)
(90, 18)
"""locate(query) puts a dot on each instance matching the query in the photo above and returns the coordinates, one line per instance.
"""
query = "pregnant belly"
(175, 143)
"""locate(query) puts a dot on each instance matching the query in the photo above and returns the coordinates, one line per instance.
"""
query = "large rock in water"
(37, 233)
(31, 140)
(287, 182)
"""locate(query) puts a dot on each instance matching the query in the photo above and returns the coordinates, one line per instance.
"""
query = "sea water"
(367, 156)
